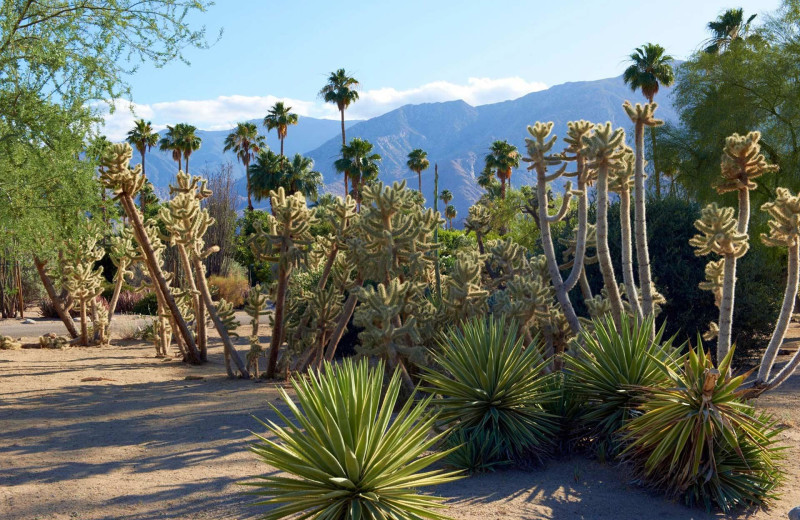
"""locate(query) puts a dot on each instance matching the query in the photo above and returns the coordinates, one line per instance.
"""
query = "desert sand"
(115, 433)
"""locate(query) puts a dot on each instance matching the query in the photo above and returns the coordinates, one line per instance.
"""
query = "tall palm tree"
(280, 118)
(446, 196)
(143, 138)
(728, 28)
(418, 161)
(171, 143)
(503, 157)
(450, 214)
(340, 90)
(359, 163)
(245, 142)
(650, 68)
(188, 141)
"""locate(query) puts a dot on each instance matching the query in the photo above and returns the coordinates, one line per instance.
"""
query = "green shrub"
(697, 439)
(229, 288)
(350, 456)
(490, 386)
(609, 370)
(148, 305)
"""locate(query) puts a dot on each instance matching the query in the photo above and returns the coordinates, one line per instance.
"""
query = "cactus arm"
(627, 260)
(603, 252)
(580, 247)
(341, 324)
(117, 290)
(562, 211)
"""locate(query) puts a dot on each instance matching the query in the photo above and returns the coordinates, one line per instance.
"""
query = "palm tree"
(268, 173)
(450, 214)
(418, 161)
(143, 138)
(170, 143)
(280, 118)
(446, 196)
(302, 176)
(245, 143)
(188, 141)
(358, 163)
(728, 28)
(650, 69)
(341, 90)
(502, 158)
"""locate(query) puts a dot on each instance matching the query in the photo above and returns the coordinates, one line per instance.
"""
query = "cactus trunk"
(627, 260)
(640, 217)
(277, 331)
(729, 281)
(158, 277)
(51, 293)
(785, 316)
(603, 253)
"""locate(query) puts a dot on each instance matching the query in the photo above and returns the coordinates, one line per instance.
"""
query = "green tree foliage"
(245, 142)
(280, 118)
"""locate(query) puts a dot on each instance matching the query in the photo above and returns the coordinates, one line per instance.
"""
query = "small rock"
(794, 514)
(28, 321)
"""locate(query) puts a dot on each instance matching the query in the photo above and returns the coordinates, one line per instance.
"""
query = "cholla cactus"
(742, 161)
(713, 282)
(53, 341)
(82, 281)
(255, 307)
(123, 253)
(286, 243)
(621, 180)
(463, 297)
(478, 220)
(719, 233)
(606, 153)
(642, 116)
(125, 182)
(784, 231)
(9, 343)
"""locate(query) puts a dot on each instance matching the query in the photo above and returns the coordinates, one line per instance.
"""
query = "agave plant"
(610, 368)
(349, 456)
(489, 384)
(698, 439)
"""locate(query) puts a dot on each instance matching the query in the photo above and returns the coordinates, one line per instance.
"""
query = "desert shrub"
(489, 386)
(229, 288)
(698, 440)
(260, 271)
(232, 268)
(350, 455)
(452, 242)
(609, 370)
(127, 301)
(46, 308)
(147, 304)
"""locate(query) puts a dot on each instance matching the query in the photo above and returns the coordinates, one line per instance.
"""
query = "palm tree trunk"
(246, 163)
(603, 253)
(141, 194)
(503, 188)
(344, 143)
(627, 257)
(51, 292)
(640, 218)
(282, 146)
(187, 164)
(768, 360)
(419, 180)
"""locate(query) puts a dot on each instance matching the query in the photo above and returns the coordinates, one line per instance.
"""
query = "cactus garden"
(586, 311)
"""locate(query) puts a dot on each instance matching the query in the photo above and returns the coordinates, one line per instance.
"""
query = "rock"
(794, 514)
(28, 321)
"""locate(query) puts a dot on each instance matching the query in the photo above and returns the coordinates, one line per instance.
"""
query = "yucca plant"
(609, 370)
(489, 384)
(349, 457)
(697, 439)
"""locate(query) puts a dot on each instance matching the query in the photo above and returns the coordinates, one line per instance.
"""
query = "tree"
(446, 196)
(272, 171)
(143, 138)
(502, 159)
(303, 178)
(650, 69)
(245, 142)
(728, 28)
(358, 163)
(450, 214)
(341, 90)
(280, 118)
(171, 143)
(418, 161)
(188, 141)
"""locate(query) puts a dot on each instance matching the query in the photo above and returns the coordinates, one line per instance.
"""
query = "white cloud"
(224, 111)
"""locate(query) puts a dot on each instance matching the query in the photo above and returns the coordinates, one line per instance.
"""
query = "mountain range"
(455, 134)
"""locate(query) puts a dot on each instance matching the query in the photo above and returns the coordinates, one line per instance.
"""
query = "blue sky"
(405, 52)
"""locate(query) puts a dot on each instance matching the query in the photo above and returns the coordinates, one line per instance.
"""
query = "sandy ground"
(148, 443)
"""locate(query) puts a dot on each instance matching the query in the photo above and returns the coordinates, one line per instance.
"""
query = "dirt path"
(146, 443)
